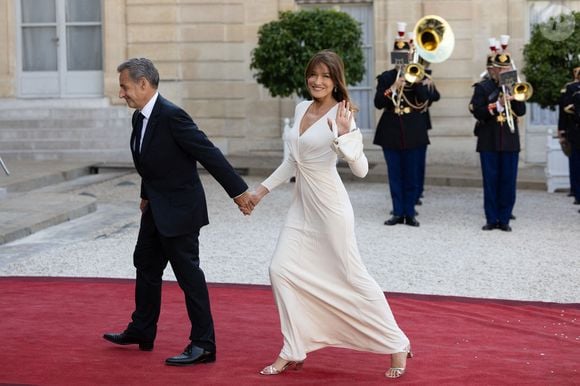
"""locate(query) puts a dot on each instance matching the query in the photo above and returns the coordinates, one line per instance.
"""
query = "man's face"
(135, 93)
(494, 73)
(497, 71)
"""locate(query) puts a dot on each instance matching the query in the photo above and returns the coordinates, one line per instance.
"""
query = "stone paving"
(448, 254)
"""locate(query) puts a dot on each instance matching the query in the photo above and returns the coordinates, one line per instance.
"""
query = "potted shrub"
(286, 45)
(550, 55)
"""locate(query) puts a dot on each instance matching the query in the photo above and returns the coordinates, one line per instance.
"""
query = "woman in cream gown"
(324, 294)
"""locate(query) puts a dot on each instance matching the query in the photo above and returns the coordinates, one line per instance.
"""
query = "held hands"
(344, 118)
(244, 203)
(247, 201)
(257, 195)
(143, 205)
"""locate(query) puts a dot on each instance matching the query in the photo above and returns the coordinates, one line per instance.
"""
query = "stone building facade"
(203, 51)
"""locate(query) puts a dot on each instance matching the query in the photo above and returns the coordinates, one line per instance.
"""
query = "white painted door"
(363, 92)
(60, 48)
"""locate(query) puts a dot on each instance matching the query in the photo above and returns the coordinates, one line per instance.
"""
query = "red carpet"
(51, 328)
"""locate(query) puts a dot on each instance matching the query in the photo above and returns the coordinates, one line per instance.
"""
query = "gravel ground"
(448, 254)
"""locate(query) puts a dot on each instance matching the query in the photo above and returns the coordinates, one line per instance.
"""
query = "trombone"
(508, 110)
(521, 91)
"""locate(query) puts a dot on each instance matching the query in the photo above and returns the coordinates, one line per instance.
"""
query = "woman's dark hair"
(336, 68)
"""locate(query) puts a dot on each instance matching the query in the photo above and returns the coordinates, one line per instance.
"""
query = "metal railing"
(4, 167)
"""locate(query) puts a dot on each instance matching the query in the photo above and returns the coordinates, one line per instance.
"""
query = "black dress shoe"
(411, 221)
(505, 227)
(395, 220)
(125, 339)
(488, 227)
(191, 355)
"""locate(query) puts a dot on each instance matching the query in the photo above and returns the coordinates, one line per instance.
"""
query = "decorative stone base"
(557, 169)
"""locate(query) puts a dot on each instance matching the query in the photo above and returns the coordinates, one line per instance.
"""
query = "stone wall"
(8, 49)
(203, 51)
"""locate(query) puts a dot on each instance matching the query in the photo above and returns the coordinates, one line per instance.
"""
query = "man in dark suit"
(166, 146)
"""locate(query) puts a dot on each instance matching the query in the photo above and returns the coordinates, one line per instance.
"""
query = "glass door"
(60, 43)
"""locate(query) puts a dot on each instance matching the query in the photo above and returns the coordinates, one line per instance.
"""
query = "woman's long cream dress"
(324, 294)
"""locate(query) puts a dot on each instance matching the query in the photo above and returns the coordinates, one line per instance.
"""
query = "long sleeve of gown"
(360, 167)
(285, 171)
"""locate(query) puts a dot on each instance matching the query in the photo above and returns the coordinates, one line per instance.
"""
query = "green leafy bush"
(549, 63)
(286, 45)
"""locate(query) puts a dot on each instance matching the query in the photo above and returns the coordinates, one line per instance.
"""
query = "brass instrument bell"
(414, 72)
(434, 39)
(434, 42)
(522, 91)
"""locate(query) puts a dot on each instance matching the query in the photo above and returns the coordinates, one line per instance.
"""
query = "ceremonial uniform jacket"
(404, 126)
(492, 130)
(568, 113)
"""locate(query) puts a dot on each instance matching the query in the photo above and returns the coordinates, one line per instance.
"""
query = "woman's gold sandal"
(292, 365)
(397, 372)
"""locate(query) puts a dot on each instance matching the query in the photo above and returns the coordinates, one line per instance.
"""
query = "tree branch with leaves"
(548, 61)
(286, 45)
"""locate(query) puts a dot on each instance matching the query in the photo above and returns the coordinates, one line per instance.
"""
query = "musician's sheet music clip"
(508, 78)
(401, 57)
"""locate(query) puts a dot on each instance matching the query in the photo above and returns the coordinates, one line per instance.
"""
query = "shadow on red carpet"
(51, 334)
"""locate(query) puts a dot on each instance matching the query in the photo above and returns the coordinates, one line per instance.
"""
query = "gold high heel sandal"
(397, 372)
(292, 365)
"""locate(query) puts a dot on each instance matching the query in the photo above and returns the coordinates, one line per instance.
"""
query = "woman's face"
(320, 83)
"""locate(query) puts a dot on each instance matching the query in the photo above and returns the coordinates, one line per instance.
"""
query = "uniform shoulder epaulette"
(572, 85)
(565, 87)
(487, 84)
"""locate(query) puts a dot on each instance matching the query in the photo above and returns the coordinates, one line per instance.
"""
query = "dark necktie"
(138, 127)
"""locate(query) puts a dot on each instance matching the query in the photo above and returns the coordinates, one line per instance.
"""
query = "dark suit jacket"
(491, 134)
(405, 131)
(167, 164)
